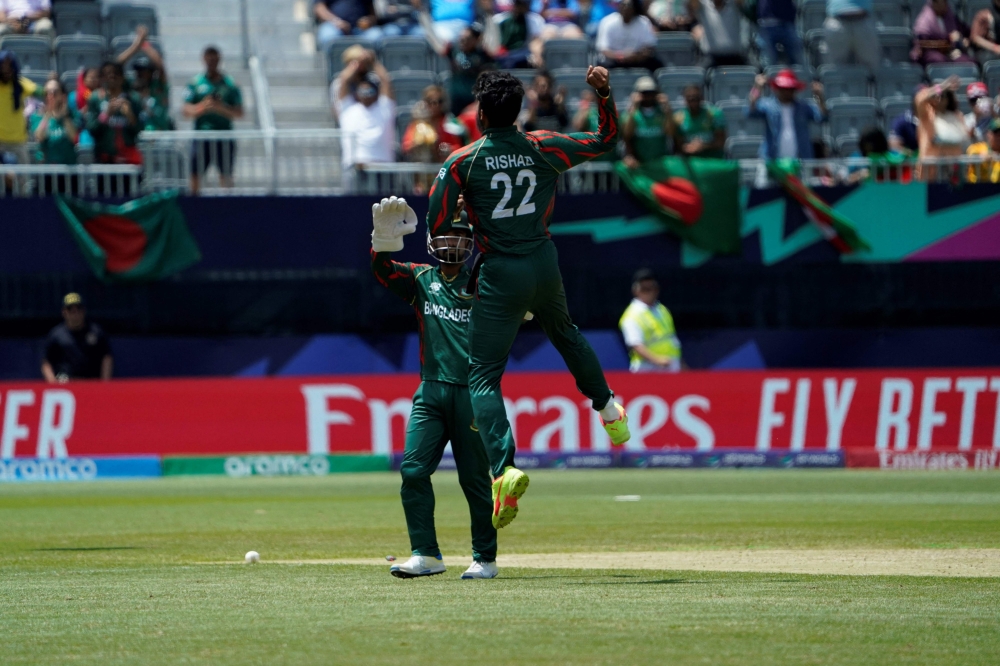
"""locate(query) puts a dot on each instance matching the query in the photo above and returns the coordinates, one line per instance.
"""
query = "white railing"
(84, 180)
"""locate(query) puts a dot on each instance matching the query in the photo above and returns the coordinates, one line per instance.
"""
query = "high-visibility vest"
(658, 333)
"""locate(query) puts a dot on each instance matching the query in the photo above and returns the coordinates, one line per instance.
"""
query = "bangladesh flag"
(697, 198)
(835, 227)
(140, 241)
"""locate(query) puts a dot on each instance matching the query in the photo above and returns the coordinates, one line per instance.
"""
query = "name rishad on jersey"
(444, 312)
(508, 161)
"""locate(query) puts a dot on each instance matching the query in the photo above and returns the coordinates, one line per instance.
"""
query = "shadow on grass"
(665, 581)
(77, 550)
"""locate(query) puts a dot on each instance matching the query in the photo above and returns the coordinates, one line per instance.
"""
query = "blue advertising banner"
(666, 460)
(79, 469)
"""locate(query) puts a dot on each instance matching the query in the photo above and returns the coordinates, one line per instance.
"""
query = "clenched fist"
(599, 80)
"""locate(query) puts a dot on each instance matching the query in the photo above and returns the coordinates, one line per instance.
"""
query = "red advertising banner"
(899, 411)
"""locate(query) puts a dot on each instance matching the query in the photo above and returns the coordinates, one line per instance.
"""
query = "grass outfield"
(133, 572)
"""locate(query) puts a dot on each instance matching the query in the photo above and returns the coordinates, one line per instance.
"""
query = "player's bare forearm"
(394, 276)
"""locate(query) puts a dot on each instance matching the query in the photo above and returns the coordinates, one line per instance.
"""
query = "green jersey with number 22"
(508, 179)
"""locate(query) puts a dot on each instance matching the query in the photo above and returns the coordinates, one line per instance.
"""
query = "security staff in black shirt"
(76, 348)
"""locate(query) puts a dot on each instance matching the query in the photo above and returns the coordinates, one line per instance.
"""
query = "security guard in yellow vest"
(648, 328)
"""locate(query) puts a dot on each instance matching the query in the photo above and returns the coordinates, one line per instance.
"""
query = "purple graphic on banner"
(666, 460)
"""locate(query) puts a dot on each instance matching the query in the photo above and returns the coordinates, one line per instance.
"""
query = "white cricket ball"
(253, 557)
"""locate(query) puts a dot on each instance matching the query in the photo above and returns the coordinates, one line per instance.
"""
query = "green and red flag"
(698, 199)
(139, 241)
(835, 227)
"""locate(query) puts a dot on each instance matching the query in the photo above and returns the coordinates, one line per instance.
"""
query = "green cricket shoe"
(507, 489)
(618, 429)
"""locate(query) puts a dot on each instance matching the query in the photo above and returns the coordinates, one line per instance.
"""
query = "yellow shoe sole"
(512, 486)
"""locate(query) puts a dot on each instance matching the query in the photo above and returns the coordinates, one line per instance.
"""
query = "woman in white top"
(942, 131)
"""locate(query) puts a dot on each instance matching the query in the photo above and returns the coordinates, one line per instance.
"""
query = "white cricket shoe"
(481, 570)
(418, 565)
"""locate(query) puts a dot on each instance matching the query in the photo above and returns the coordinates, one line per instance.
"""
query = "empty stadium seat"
(336, 50)
(673, 81)
(33, 52)
(737, 124)
(898, 80)
(732, 83)
(847, 146)
(743, 148)
(77, 18)
(676, 49)
(851, 117)
(559, 53)
(889, 14)
(895, 44)
(991, 76)
(403, 117)
(401, 54)
(574, 81)
(124, 19)
(966, 71)
(72, 53)
(972, 7)
(441, 64)
(409, 86)
(844, 80)
(624, 80)
(69, 80)
(892, 108)
(812, 13)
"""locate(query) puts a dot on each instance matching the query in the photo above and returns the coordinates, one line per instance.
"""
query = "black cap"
(642, 275)
(142, 62)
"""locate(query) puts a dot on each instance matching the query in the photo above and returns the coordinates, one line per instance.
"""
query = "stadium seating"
(676, 49)
(32, 52)
(852, 116)
(337, 49)
(560, 53)
(574, 81)
(743, 148)
(36, 76)
(892, 108)
(625, 80)
(890, 14)
(525, 76)
(124, 19)
(409, 86)
(77, 18)
(966, 71)
(673, 81)
(991, 75)
(895, 44)
(401, 54)
(737, 124)
(844, 81)
(403, 117)
(730, 83)
(972, 7)
(898, 80)
(68, 79)
(73, 52)
(847, 146)
(812, 13)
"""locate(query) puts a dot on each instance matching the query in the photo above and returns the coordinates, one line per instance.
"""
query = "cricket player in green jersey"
(508, 182)
(442, 410)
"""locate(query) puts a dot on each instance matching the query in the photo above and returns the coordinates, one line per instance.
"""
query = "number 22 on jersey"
(527, 206)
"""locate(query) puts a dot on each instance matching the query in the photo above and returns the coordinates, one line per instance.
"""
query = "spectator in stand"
(22, 17)
(57, 128)
(903, 132)
(989, 170)
(518, 34)
(76, 348)
(586, 120)
(358, 62)
(665, 17)
(151, 75)
(214, 101)
(155, 112)
(720, 23)
(398, 18)
(339, 18)
(113, 118)
(982, 110)
(699, 128)
(450, 17)
(648, 328)
(627, 39)
(449, 134)
(786, 117)
(467, 58)
(984, 35)
(369, 127)
(648, 123)
(851, 35)
(470, 120)
(942, 132)
(776, 27)
(938, 35)
(592, 12)
(546, 105)
(562, 19)
(14, 92)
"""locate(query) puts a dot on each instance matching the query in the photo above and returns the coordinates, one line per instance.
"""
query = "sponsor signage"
(663, 459)
(981, 460)
(739, 418)
(274, 465)
(78, 469)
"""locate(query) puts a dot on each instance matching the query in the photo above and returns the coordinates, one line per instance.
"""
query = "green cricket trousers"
(443, 412)
(509, 286)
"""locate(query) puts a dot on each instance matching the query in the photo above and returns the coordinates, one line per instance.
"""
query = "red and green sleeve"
(448, 185)
(565, 151)
(399, 278)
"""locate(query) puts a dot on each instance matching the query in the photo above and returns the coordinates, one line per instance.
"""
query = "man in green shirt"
(442, 411)
(508, 181)
(699, 129)
(57, 128)
(213, 100)
(113, 118)
(648, 123)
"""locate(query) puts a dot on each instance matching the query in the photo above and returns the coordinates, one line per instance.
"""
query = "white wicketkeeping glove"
(392, 219)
